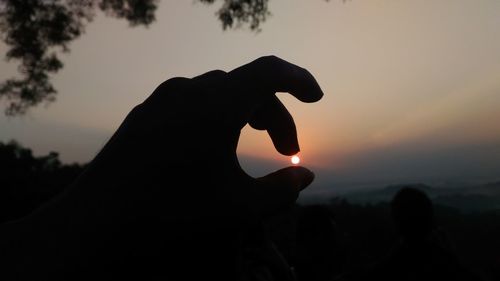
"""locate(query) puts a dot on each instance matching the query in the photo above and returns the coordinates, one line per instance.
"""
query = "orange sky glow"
(401, 79)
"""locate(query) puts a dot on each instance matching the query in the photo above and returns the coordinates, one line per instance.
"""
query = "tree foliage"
(235, 13)
(36, 31)
(27, 181)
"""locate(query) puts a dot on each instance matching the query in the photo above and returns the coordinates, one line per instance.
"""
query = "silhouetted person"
(321, 251)
(423, 252)
(413, 215)
(166, 198)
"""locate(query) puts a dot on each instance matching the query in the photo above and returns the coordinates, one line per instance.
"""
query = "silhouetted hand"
(180, 144)
(171, 169)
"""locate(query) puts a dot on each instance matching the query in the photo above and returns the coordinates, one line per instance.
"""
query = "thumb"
(280, 189)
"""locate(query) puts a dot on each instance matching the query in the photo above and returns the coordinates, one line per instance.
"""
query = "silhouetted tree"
(26, 181)
(37, 30)
(240, 12)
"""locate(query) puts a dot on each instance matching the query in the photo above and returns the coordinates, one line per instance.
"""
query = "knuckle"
(173, 83)
(213, 75)
(167, 89)
(217, 72)
(269, 60)
(135, 113)
(136, 109)
(273, 64)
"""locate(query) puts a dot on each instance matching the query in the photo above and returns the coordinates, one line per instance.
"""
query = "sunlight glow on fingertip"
(295, 160)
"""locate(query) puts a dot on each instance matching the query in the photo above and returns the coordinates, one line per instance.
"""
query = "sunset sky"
(412, 88)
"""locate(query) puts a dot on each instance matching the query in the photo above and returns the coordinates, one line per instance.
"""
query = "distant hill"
(474, 198)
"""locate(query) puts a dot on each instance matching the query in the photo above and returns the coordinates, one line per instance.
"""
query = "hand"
(181, 142)
(152, 184)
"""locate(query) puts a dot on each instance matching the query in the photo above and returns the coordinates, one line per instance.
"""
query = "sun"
(295, 160)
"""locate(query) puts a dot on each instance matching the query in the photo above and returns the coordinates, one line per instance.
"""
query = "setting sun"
(295, 160)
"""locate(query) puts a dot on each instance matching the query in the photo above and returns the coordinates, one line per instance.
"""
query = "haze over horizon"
(412, 88)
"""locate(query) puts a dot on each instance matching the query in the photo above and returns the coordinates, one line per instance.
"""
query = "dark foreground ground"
(332, 239)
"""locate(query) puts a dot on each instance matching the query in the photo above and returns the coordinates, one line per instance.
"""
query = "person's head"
(413, 213)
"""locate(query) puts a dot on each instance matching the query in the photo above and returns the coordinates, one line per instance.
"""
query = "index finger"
(271, 74)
